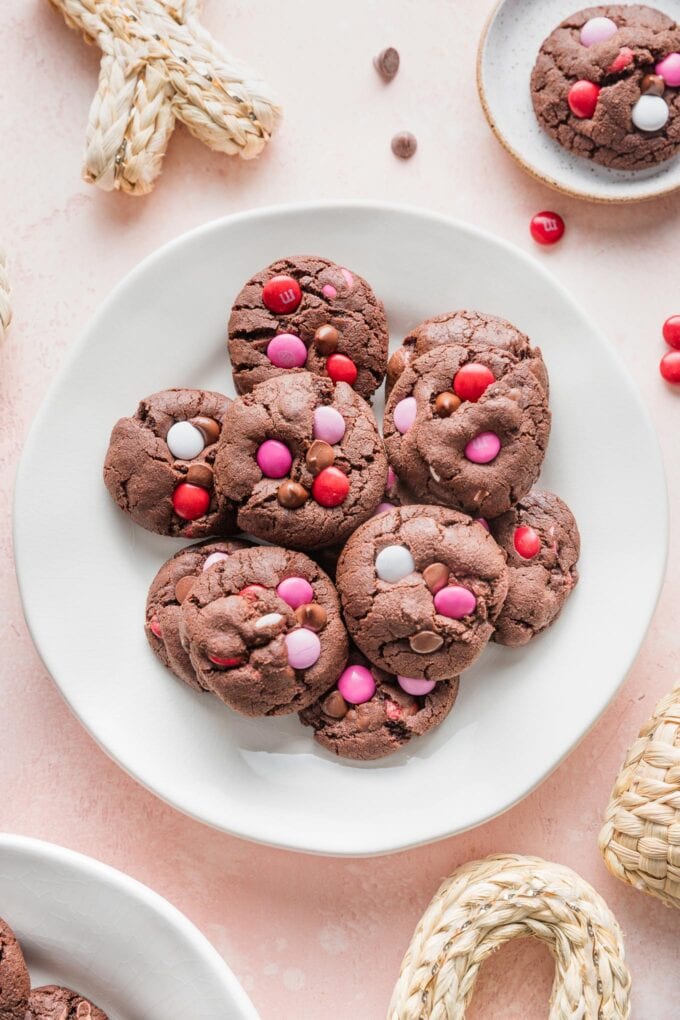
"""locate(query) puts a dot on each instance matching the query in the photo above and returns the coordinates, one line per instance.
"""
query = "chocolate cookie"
(421, 587)
(301, 460)
(15, 983)
(468, 430)
(54, 1003)
(308, 313)
(263, 631)
(541, 542)
(474, 330)
(168, 590)
(159, 465)
(606, 85)
(369, 714)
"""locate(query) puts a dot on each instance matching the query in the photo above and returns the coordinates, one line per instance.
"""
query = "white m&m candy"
(184, 440)
(394, 562)
(650, 113)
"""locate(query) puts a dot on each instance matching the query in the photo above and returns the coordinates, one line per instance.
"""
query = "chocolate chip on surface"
(404, 145)
(387, 63)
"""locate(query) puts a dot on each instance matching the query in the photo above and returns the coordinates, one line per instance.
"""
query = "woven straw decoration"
(640, 840)
(159, 64)
(5, 308)
(486, 903)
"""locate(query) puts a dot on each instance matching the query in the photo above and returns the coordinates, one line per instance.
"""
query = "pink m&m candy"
(274, 458)
(329, 291)
(155, 627)
(391, 477)
(597, 30)
(287, 351)
(669, 69)
(383, 508)
(303, 647)
(356, 684)
(483, 448)
(214, 558)
(329, 424)
(348, 278)
(416, 687)
(404, 414)
(295, 591)
(455, 601)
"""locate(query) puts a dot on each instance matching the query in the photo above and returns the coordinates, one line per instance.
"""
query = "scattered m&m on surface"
(274, 459)
(547, 227)
(340, 368)
(281, 294)
(527, 543)
(296, 591)
(669, 367)
(287, 351)
(303, 647)
(582, 98)
(483, 448)
(597, 30)
(356, 684)
(329, 425)
(471, 381)
(671, 331)
(190, 501)
(404, 414)
(330, 488)
(669, 69)
(184, 440)
(455, 601)
(394, 562)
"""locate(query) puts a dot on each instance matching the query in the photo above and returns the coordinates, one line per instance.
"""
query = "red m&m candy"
(670, 367)
(225, 663)
(582, 98)
(330, 487)
(281, 294)
(547, 227)
(342, 369)
(190, 501)
(470, 381)
(527, 543)
(671, 331)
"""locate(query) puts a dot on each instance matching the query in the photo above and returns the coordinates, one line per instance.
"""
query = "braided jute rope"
(486, 903)
(640, 839)
(5, 307)
(159, 64)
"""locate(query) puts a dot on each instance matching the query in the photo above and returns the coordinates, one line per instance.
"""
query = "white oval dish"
(87, 926)
(519, 712)
(507, 52)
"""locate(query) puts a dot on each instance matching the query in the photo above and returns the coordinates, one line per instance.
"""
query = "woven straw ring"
(485, 904)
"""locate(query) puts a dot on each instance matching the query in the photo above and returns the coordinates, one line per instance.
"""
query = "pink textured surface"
(312, 937)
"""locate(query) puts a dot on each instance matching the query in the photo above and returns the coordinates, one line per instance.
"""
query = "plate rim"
(438, 832)
(583, 195)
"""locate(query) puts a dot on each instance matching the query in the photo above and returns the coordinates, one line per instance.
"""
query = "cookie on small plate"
(541, 542)
(468, 429)
(167, 592)
(263, 630)
(421, 588)
(159, 464)
(308, 313)
(52, 1002)
(301, 461)
(368, 714)
(15, 984)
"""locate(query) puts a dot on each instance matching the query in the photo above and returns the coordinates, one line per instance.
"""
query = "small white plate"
(507, 52)
(84, 568)
(93, 929)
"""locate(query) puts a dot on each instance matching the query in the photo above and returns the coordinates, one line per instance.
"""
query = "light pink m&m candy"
(348, 278)
(416, 687)
(214, 558)
(295, 591)
(404, 414)
(329, 424)
(329, 291)
(356, 684)
(669, 69)
(483, 448)
(287, 351)
(455, 601)
(597, 30)
(383, 508)
(303, 647)
(274, 458)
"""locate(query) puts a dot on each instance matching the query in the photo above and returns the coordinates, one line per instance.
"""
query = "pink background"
(312, 937)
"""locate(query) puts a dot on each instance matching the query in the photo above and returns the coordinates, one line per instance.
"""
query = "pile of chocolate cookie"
(392, 560)
(18, 1001)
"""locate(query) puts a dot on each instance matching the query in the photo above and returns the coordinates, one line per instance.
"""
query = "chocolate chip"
(209, 427)
(291, 494)
(404, 145)
(311, 615)
(184, 586)
(425, 641)
(326, 339)
(446, 403)
(387, 63)
(436, 576)
(319, 456)
(653, 85)
(200, 474)
(335, 705)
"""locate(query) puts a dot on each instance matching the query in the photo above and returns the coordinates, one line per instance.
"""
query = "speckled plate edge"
(517, 156)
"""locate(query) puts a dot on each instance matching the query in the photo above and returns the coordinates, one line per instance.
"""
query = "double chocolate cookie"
(421, 588)
(541, 542)
(308, 313)
(606, 85)
(369, 714)
(159, 464)
(468, 428)
(15, 984)
(54, 1003)
(168, 590)
(301, 461)
(263, 631)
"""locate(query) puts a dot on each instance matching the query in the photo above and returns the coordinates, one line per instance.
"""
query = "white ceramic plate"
(507, 52)
(84, 568)
(91, 928)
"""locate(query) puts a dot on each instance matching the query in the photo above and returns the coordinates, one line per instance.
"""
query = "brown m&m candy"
(653, 85)
(446, 403)
(200, 474)
(291, 494)
(319, 456)
(436, 576)
(311, 615)
(426, 641)
(209, 427)
(184, 586)
(326, 339)
(335, 705)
